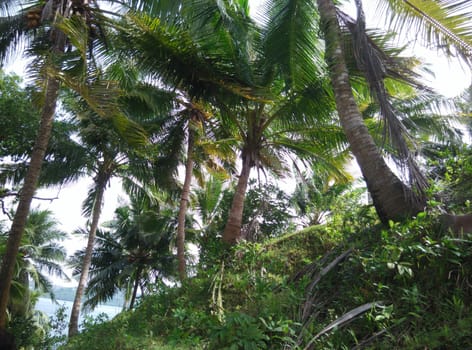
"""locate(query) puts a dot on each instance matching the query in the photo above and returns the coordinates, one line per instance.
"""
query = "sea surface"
(49, 308)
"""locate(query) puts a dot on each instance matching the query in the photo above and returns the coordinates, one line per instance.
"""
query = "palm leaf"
(343, 320)
(13, 35)
(291, 42)
(371, 60)
(172, 55)
(443, 24)
(312, 105)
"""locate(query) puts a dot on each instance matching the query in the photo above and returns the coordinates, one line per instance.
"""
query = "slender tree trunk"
(26, 195)
(232, 231)
(101, 182)
(183, 205)
(135, 288)
(393, 200)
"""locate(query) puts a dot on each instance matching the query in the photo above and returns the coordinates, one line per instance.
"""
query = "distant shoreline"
(50, 307)
(67, 294)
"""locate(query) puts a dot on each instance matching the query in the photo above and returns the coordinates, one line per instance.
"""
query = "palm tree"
(262, 98)
(45, 26)
(40, 252)
(67, 160)
(28, 189)
(272, 147)
(122, 150)
(315, 193)
(108, 156)
(133, 252)
(392, 198)
(187, 124)
(203, 149)
(196, 117)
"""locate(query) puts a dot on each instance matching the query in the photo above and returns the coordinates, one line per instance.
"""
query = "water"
(49, 308)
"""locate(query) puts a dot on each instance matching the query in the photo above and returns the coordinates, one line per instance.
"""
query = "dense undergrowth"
(350, 285)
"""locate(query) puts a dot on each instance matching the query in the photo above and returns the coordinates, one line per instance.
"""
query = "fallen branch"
(343, 320)
(309, 300)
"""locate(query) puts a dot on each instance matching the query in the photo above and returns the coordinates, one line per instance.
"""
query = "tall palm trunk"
(393, 200)
(101, 182)
(183, 205)
(232, 231)
(27, 191)
(135, 287)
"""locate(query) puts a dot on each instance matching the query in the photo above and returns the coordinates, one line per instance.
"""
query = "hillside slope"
(356, 287)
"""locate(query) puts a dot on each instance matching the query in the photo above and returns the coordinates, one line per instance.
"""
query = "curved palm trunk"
(26, 194)
(135, 287)
(393, 200)
(232, 231)
(101, 182)
(183, 206)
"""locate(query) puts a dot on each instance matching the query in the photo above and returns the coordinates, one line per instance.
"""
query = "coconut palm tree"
(392, 198)
(108, 156)
(68, 160)
(40, 253)
(47, 27)
(28, 189)
(133, 252)
(187, 127)
(315, 194)
(272, 147)
(191, 122)
(262, 96)
(194, 122)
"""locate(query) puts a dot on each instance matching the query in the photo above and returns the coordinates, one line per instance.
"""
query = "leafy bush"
(239, 331)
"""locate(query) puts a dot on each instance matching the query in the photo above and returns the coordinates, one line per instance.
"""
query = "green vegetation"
(41, 256)
(200, 109)
(285, 291)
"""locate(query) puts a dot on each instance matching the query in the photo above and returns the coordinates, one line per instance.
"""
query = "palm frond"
(13, 35)
(430, 119)
(102, 98)
(166, 10)
(330, 158)
(223, 29)
(291, 41)
(208, 198)
(105, 281)
(171, 55)
(371, 60)
(89, 202)
(149, 105)
(390, 61)
(312, 105)
(273, 159)
(443, 24)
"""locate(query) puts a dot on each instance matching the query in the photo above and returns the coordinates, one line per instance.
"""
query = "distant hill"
(68, 294)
